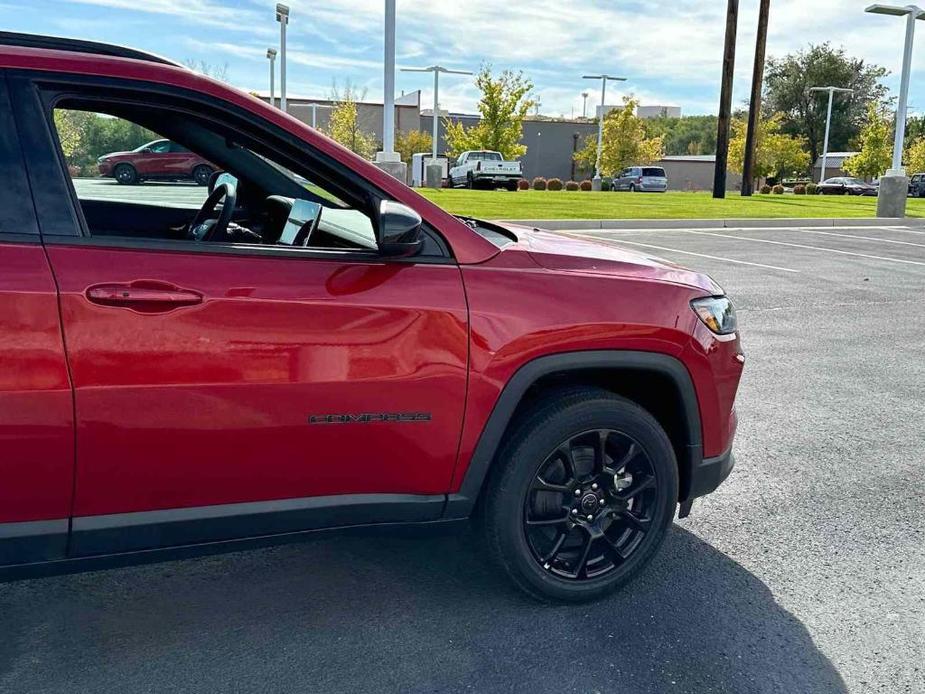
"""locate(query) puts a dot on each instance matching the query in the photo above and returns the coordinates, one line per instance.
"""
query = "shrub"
(523, 184)
(765, 189)
(778, 189)
(606, 183)
(572, 185)
(812, 189)
(554, 184)
(539, 183)
(799, 189)
(585, 185)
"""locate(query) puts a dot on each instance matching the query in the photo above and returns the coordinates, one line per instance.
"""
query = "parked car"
(642, 179)
(158, 160)
(917, 185)
(295, 357)
(845, 185)
(485, 169)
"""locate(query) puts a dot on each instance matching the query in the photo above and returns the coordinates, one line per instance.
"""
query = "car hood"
(115, 154)
(600, 256)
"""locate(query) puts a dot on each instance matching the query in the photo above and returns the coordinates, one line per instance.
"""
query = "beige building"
(695, 172)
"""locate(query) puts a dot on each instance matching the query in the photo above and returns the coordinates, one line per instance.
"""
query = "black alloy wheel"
(590, 505)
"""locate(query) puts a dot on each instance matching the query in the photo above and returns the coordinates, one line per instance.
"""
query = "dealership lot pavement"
(804, 573)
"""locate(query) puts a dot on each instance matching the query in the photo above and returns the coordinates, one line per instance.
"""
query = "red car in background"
(158, 160)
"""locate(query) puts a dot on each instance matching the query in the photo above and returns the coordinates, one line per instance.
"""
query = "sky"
(670, 50)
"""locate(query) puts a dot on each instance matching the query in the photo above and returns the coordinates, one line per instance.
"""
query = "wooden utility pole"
(754, 104)
(725, 100)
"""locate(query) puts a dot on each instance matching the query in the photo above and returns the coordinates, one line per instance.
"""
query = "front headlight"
(717, 313)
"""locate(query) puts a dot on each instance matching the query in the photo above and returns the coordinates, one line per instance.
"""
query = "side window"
(125, 192)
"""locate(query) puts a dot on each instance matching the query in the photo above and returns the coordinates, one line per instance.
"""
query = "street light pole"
(282, 16)
(828, 123)
(894, 186)
(388, 115)
(436, 69)
(596, 181)
(271, 56)
(584, 105)
(314, 108)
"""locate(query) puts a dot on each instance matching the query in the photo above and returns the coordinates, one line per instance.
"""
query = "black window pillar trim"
(462, 503)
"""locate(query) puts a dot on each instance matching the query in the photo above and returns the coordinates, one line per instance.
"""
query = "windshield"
(484, 156)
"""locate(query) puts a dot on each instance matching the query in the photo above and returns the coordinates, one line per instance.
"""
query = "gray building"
(833, 165)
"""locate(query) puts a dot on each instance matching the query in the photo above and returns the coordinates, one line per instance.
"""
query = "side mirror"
(399, 230)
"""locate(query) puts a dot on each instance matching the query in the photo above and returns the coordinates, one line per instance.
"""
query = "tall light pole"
(282, 16)
(754, 103)
(314, 108)
(891, 201)
(596, 181)
(436, 69)
(271, 56)
(828, 122)
(724, 119)
(584, 105)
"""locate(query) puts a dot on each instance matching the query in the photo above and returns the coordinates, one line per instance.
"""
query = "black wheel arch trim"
(462, 503)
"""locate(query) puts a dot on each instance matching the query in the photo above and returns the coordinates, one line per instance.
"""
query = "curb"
(607, 224)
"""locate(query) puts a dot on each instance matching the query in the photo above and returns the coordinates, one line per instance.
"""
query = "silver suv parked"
(641, 178)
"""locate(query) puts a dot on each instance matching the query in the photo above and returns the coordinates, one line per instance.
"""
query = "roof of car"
(59, 43)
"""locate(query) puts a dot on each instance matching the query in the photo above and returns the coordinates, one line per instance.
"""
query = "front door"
(243, 387)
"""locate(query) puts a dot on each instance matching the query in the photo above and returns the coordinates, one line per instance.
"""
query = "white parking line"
(802, 245)
(703, 255)
(807, 230)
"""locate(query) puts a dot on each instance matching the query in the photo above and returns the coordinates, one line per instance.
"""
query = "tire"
(512, 186)
(537, 535)
(125, 174)
(202, 174)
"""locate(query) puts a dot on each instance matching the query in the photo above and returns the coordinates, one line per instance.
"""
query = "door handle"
(144, 296)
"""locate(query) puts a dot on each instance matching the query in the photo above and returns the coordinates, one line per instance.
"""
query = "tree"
(915, 157)
(686, 135)
(219, 72)
(71, 126)
(504, 104)
(412, 142)
(875, 144)
(624, 142)
(787, 84)
(344, 124)
(776, 153)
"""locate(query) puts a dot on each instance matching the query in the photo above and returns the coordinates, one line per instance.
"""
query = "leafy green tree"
(686, 135)
(915, 157)
(344, 124)
(504, 104)
(776, 153)
(71, 126)
(624, 142)
(412, 142)
(787, 84)
(875, 144)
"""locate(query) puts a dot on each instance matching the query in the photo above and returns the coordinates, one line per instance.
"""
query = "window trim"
(59, 86)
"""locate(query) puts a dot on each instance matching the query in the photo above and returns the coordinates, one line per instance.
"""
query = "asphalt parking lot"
(805, 572)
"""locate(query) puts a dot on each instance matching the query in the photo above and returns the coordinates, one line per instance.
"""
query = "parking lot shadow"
(384, 614)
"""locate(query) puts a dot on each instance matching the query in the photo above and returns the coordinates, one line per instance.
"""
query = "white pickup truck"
(484, 169)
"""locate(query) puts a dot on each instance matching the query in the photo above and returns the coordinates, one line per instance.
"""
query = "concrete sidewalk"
(590, 224)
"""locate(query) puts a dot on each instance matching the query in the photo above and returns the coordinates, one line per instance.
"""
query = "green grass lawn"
(535, 204)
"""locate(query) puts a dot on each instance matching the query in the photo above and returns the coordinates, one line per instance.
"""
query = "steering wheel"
(203, 227)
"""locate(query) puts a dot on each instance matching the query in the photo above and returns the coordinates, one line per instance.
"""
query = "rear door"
(36, 408)
(271, 389)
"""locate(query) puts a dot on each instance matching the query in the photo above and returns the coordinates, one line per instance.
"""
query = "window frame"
(35, 95)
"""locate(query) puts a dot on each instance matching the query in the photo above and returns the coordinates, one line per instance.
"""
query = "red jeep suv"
(158, 160)
(317, 347)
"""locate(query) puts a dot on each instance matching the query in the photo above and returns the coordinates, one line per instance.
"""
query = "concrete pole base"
(894, 190)
(433, 176)
(596, 183)
(395, 169)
